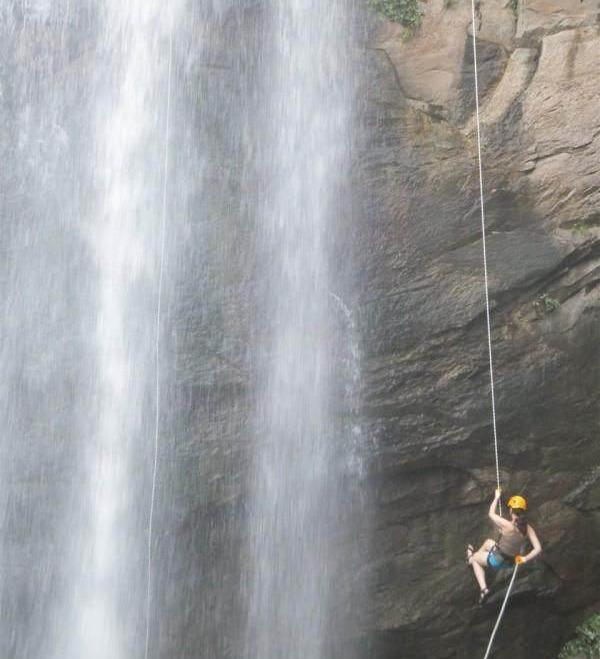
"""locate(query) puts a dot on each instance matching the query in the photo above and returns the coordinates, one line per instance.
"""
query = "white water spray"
(296, 498)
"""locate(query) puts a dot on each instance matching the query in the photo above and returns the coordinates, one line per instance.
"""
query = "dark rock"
(426, 380)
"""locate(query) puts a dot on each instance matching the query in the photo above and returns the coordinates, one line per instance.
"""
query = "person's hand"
(520, 560)
(497, 493)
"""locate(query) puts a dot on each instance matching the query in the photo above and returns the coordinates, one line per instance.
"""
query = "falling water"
(84, 100)
(124, 233)
(248, 375)
(47, 284)
(297, 484)
(127, 237)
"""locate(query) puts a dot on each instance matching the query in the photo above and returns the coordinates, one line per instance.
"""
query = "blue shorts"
(497, 562)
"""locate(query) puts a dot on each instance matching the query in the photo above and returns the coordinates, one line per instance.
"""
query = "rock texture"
(426, 374)
(539, 17)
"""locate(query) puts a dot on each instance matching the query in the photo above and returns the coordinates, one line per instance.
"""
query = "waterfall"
(123, 232)
(254, 357)
(47, 286)
(125, 235)
(297, 484)
(83, 113)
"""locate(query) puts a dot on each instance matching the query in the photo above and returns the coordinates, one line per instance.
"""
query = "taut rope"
(488, 316)
(157, 350)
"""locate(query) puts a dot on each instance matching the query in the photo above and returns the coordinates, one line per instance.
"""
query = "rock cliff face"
(426, 382)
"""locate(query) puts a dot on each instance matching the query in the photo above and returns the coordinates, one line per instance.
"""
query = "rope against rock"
(157, 347)
(488, 317)
(484, 244)
(501, 614)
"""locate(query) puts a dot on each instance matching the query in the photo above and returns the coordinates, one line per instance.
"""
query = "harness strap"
(507, 557)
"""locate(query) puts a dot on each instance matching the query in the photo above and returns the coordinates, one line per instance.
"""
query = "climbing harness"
(488, 314)
(498, 560)
(157, 347)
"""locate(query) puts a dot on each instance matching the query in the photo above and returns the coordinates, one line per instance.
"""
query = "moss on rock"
(586, 644)
(405, 12)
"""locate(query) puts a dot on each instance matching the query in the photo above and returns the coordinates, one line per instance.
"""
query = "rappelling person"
(507, 551)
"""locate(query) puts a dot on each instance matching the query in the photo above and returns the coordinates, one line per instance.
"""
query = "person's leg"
(487, 545)
(478, 561)
(481, 554)
(479, 572)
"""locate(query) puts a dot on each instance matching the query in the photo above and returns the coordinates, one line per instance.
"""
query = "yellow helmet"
(517, 502)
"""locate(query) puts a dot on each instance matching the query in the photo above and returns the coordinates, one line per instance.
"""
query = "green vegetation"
(546, 304)
(586, 644)
(514, 5)
(578, 227)
(583, 224)
(405, 12)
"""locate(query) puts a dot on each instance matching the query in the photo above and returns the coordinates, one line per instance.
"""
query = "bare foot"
(470, 552)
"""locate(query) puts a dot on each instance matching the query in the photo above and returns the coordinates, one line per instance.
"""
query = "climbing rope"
(502, 609)
(484, 244)
(157, 347)
(488, 315)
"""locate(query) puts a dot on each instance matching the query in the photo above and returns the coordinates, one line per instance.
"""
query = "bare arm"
(499, 521)
(535, 543)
